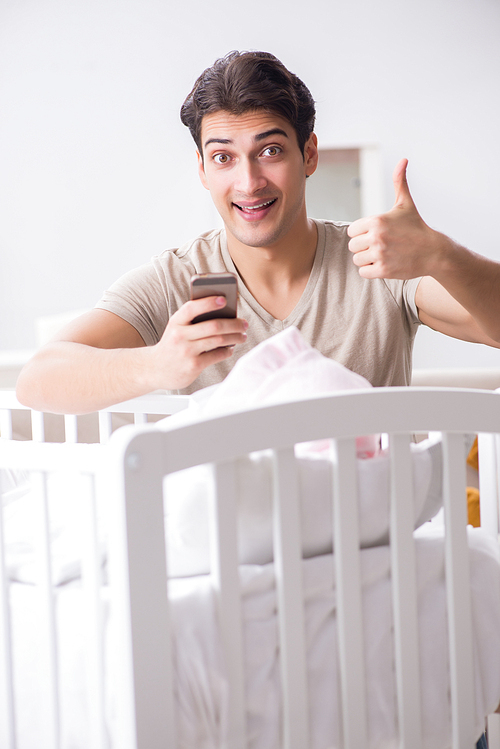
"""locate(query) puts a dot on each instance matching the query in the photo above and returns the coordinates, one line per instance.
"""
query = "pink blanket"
(282, 368)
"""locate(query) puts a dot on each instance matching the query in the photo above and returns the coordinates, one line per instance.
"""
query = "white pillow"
(187, 499)
(13, 484)
(66, 492)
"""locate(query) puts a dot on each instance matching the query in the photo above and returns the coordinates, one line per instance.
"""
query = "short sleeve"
(138, 297)
(409, 292)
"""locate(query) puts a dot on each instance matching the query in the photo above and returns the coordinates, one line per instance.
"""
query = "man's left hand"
(396, 244)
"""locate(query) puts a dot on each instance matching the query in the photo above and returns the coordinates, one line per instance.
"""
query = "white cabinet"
(347, 184)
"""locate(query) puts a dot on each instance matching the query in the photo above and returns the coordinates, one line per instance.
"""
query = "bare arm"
(460, 292)
(99, 359)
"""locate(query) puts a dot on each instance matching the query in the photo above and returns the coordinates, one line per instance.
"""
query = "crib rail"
(133, 465)
(143, 459)
(157, 403)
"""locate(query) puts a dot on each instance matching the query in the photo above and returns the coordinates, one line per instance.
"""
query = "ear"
(311, 154)
(201, 171)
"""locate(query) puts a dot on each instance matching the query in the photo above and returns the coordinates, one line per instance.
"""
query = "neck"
(276, 275)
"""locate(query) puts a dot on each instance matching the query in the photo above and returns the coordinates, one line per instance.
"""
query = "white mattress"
(201, 686)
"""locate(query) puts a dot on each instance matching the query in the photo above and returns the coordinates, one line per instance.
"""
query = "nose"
(249, 177)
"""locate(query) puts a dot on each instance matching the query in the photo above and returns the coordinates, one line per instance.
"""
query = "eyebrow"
(268, 133)
(257, 138)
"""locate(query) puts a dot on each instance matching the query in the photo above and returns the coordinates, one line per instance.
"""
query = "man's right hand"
(185, 350)
(99, 359)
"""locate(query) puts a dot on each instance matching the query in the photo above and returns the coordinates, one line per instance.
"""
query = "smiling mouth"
(258, 207)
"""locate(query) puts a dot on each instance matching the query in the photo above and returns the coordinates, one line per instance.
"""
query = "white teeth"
(255, 207)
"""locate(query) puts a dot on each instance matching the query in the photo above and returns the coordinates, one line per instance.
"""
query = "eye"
(272, 151)
(221, 158)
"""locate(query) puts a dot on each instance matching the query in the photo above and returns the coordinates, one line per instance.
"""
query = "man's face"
(255, 172)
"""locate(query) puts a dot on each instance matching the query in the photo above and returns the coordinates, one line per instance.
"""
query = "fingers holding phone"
(211, 324)
(202, 332)
(222, 289)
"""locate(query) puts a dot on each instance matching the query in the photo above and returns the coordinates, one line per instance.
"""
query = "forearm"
(100, 359)
(473, 281)
(67, 377)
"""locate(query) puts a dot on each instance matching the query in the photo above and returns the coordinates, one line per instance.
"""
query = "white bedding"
(201, 688)
(262, 668)
(200, 672)
(30, 665)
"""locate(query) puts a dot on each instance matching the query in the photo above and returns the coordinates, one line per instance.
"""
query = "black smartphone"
(216, 284)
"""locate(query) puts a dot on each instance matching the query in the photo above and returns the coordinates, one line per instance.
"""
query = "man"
(356, 292)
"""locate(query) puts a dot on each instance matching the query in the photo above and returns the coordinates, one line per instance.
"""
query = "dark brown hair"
(244, 81)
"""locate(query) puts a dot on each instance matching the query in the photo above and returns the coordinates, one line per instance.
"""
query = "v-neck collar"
(306, 295)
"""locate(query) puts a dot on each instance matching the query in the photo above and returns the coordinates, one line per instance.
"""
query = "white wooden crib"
(134, 465)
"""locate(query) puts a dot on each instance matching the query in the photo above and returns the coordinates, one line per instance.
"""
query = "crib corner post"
(139, 599)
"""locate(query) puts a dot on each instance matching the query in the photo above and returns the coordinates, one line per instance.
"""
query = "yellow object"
(473, 508)
(472, 458)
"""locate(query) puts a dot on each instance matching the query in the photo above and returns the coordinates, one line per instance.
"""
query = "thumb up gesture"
(396, 244)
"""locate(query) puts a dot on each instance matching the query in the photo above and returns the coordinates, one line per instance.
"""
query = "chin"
(257, 241)
(258, 237)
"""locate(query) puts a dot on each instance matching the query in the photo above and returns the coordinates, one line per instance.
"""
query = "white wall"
(97, 172)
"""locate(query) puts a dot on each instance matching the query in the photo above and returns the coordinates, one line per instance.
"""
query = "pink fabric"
(285, 368)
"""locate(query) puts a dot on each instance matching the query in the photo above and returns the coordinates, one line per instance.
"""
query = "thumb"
(402, 191)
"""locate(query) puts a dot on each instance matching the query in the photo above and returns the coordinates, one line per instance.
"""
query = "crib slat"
(6, 424)
(404, 592)
(494, 731)
(349, 606)
(7, 712)
(47, 608)
(488, 448)
(224, 567)
(458, 591)
(289, 588)
(105, 426)
(37, 426)
(91, 583)
(140, 418)
(70, 428)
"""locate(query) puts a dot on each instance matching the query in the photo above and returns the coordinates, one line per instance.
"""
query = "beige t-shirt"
(366, 325)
